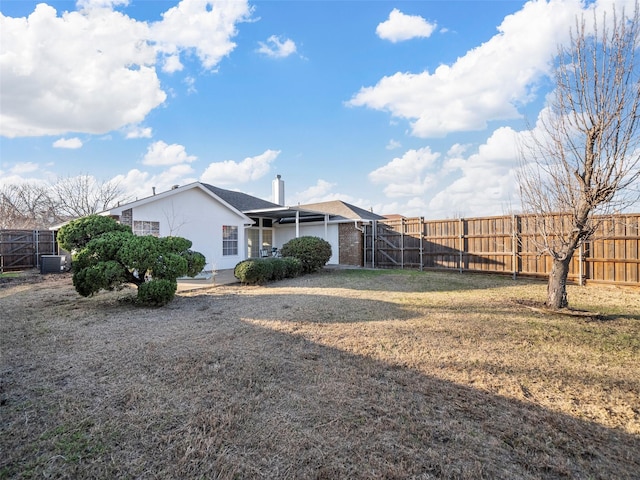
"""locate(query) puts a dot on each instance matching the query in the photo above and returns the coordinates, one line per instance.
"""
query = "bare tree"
(583, 162)
(26, 206)
(84, 195)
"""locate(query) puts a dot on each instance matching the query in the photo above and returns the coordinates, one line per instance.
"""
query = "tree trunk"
(557, 286)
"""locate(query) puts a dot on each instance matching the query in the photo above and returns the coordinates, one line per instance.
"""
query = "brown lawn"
(352, 374)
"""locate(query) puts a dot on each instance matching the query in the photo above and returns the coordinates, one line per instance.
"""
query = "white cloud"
(138, 184)
(401, 27)
(407, 175)
(90, 4)
(485, 182)
(316, 193)
(94, 70)
(204, 27)
(85, 72)
(393, 144)
(71, 143)
(488, 83)
(136, 131)
(276, 47)
(160, 153)
(324, 191)
(231, 172)
(25, 167)
(172, 64)
(190, 82)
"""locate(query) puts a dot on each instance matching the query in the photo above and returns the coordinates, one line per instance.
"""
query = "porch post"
(297, 223)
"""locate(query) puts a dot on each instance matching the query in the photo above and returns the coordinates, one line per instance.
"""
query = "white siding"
(197, 216)
(282, 234)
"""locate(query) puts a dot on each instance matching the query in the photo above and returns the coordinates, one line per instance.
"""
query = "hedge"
(264, 270)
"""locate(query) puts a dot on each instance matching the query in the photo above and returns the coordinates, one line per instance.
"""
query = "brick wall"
(350, 244)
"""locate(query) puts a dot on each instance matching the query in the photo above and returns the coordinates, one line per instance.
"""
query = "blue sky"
(410, 107)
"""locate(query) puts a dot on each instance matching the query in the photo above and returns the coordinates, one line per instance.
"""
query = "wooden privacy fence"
(22, 249)
(505, 244)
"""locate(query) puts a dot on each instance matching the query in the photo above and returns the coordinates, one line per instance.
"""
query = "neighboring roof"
(343, 209)
(241, 201)
(394, 216)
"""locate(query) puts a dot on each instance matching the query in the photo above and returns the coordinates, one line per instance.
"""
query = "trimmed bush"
(292, 266)
(313, 252)
(157, 292)
(107, 254)
(263, 270)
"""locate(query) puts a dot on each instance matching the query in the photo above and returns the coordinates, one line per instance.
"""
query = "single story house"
(228, 226)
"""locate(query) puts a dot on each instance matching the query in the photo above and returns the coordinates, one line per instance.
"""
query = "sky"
(399, 107)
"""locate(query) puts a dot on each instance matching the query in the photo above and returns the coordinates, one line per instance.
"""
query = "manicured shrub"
(77, 233)
(313, 252)
(277, 267)
(107, 254)
(253, 271)
(263, 270)
(293, 266)
(157, 291)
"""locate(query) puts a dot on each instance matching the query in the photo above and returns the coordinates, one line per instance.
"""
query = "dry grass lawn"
(352, 374)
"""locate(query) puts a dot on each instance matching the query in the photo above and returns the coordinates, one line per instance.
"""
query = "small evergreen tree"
(313, 252)
(107, 255)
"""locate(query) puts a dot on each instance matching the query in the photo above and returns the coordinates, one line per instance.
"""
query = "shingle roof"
(343, 209)
(239, 200)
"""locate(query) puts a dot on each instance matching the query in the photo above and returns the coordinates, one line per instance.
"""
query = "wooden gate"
(22, 249)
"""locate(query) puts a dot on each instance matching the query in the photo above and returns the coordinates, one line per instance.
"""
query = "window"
(229, 240)
(146, 228)
(253, 242)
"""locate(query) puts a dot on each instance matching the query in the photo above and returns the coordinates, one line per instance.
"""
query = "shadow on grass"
(407, 280)
(206, 393)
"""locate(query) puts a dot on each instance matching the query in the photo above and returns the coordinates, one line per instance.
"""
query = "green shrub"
(107, 254)
(253, 271)
(77, 233)
(157, 291)
(293, 266)
(277, 267)
(313, 252)
(263, 270)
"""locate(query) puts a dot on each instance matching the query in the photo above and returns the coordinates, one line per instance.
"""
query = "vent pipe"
(278, 190)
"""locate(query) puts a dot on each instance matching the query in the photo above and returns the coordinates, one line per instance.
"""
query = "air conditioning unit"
(52, 263)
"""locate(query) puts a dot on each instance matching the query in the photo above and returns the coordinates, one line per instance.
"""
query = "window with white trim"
(144, 227)
(229, 240)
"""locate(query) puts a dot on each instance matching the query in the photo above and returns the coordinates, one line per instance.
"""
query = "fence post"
(514, 245)
(402, 227)
(461, 240)
(421, 243)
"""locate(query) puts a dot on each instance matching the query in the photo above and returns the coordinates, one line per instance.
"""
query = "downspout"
(326, 227)
(363, 230)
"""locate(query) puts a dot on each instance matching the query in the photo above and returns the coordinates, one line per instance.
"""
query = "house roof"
(342, 209)
(175, 190)
(244, 204)
(241, 201)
